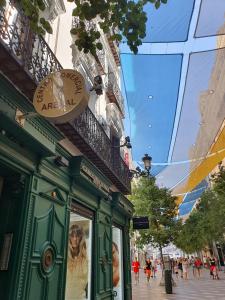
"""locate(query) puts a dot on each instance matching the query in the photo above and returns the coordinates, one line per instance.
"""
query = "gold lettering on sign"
(61, 93)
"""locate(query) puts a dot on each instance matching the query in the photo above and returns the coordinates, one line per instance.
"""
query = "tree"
(206, 223)
(161, 208)
(128, 16)
(191, 239)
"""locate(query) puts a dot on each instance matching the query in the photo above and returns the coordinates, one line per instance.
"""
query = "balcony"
(114, 46)
(100, 54)
(25, 59)
(113, 92)
(90, 138)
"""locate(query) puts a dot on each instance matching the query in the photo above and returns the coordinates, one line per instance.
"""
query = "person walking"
(204, 261)
(148, 269)
(180, 267)
(213, 268)
(176, 270)
(198, 265)
(136, 267)
(208, 262)
(185, 268)
(192, 263)
(154, 268)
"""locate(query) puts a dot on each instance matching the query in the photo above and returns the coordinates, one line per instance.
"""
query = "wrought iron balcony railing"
(100, 54)
(25, 58)
(89, 129)
(28, 49)
(96, 144)
(114, 93)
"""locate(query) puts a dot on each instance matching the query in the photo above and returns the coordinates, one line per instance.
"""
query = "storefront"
(63, 233)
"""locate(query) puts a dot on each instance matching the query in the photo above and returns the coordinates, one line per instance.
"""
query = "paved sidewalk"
(191, 289)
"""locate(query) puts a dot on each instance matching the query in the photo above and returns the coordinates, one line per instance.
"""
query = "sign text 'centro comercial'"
(61, 96)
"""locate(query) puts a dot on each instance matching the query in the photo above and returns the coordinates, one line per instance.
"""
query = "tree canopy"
(118, 18)
(161, 209)
(206, 223)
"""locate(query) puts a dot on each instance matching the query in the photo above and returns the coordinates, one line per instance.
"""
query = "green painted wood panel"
(104, 256)
(43, 268)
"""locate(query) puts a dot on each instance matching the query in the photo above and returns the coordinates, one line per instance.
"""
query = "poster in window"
(78, 279)
(117, 258)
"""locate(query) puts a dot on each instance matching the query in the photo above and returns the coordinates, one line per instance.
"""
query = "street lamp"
(147, 160)
(126, 143)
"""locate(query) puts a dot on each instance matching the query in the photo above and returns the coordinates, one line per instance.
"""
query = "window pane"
(211, 20)
(117, 256)
(78, 281)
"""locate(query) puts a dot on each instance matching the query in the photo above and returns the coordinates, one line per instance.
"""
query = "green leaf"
(99, 46)
(47, 27)
(75, 12)
(42, 21)
(41, 4)
(157, 4)
(74, 31)
(2, 3)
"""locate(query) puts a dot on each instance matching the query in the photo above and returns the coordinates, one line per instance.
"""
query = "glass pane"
(203, 106)
(171, 175)
(211, 20)
(78, 280)
(152, 85)
(170, 23)
(186, 208)
(197, 192)
(117, 257)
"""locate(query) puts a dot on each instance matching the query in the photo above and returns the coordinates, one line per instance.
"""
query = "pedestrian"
(176, 270)
(213, 268)
(148, 269)
(204, 261)
(172, 262)
(180, 267)
(154, 268)
(192, 263)
(208, 262)
(198, 266)
(136, 267)
(185, 268)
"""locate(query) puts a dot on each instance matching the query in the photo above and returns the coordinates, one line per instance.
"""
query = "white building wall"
(60, 40)
(62, 44)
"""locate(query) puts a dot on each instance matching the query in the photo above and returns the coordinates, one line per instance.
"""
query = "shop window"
(79, 260)
(117, 257)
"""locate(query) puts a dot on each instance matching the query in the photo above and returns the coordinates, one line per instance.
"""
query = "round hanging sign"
(61, 96)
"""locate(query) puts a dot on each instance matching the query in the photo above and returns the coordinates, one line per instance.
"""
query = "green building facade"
(50, 201)
(64, 219)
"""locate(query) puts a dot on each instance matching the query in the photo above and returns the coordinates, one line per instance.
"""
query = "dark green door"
(12, 194)
(44, 247)
(104, 270)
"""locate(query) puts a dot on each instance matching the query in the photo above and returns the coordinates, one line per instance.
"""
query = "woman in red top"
(136, 266)
(198, 265)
